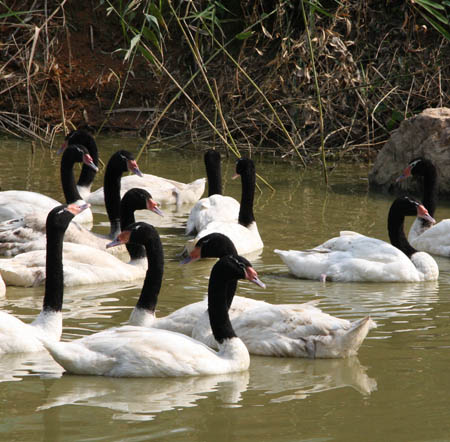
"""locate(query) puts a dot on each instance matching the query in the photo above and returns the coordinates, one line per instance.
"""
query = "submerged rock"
(424, 135)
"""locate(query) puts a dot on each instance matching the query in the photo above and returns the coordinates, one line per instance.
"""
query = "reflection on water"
(280, 380)
(403, 361)
(138, 399)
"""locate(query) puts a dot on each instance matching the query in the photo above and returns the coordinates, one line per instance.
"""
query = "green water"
(396, 389)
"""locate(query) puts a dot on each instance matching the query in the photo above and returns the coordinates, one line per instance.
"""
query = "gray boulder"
(424, 135)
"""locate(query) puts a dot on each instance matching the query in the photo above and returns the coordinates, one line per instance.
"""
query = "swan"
(18, 203)
(244, 235)
(28, 233)
(423, 235)
(82, 265)
(164, 191)
(288, 330)
(17, 336)
(216, 207)
(131, 351)
(87, 175)
(14, 241)
(355, 257)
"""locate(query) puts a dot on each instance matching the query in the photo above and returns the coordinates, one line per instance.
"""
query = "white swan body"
(131, 351)
(18, 337)
(164, 191)
(82, 265)
(244, 234)
(247, 240)
(435, 239)
(215, 207)
(355, 257)
(17, 204)
(290, 330)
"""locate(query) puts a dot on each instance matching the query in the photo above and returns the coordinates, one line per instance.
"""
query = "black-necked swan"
(144, 235)
(164, 191)
(215, 207)
(87, 175)
(288, 330)
(17, 336)
(82, 265)
(16, 204)
(423, 235)
(244, 234)
(355, 257)
(28, 233)
(131, 351)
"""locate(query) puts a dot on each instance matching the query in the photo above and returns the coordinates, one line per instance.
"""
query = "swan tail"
(77, 359)
(344, 342)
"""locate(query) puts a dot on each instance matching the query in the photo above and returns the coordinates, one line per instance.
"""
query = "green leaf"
(431, 4)
(437, 26)
(244, 35)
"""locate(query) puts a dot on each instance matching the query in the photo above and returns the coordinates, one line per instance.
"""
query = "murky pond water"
(398, 388)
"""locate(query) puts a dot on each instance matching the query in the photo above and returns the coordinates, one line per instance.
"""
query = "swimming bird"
(215, 207)
(15, 204)
(424, 235)
(355, 257)
(288, 330)
(164, 191)
(131, 351)
(244, 234)
(84, 138)
(17, 336)
(28, 233)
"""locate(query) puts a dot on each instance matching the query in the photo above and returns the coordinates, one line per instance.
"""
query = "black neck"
(54, 280)
(111, 192)
(70, 190)
(153, 278)
(430, 185)
(88, 174)
(219, 294)
(231, 290)
(127, 209)
(396, 231)
(213, 172)
(246, 216)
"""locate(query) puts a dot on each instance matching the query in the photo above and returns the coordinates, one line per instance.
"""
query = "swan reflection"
(142, 399)
(280, 380)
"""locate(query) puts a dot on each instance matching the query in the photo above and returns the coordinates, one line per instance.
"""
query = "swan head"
(214, 245)
(237, 267)
(416, 167)
(60, 216)
(243, 166)
(140, 199)
(410, 207)
(136, 233)
(87, 159)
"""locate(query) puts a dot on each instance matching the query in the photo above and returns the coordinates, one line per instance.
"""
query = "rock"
(427, 135)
